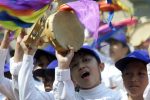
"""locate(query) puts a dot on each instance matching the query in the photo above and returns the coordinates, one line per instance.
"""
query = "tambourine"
(140, 35)
(63, 29)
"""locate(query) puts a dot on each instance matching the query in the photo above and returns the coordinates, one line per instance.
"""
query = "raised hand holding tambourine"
(61, 29)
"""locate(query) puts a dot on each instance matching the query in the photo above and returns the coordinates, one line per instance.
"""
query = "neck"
(87, 88)
(135, 98)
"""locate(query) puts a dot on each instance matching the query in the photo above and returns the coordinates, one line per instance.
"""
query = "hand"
(18, 56)
(20, 36)
(64, 61)
(6, 40)
(29, 49)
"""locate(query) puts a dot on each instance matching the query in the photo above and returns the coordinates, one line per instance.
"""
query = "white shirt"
(6, 86)
(26, 83)
(64, 89)
(9, 88)
(112, 77)
(2, 97)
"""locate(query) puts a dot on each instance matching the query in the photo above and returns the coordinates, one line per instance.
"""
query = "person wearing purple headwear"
(118, 49)
(42, 58)
(27, 88)
(63, 89)
(135, 73)
(82, 68)
(47, 75)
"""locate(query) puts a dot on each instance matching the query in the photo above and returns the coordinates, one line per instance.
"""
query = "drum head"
(141, 34)
(66, 29)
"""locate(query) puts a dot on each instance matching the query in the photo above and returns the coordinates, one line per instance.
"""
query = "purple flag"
(25, 4)
(88, 14)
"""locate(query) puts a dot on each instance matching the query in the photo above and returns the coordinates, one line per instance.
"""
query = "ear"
(101, 66)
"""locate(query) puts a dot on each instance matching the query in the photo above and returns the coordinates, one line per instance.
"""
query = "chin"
(90, 86)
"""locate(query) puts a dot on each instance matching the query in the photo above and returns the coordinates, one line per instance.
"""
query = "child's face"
(117, 51)
(135, 78)
(85, 71)
(42, 62)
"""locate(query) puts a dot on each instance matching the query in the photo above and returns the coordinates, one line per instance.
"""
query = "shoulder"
(114, 94)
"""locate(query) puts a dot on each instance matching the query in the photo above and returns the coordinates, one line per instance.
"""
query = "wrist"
(63, 66)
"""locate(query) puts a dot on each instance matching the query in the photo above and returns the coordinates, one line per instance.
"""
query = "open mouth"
(85, 74)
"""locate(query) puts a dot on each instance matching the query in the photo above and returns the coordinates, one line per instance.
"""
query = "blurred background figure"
(118, 48)
(7, 73)
(118, 45)
(42, 59)
(47, 75)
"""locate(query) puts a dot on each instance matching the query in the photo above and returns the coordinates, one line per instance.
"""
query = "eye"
(127, 74)
(142, 74)
(75, 65)
(87, 59)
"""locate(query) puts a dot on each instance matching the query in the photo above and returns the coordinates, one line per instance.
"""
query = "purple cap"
(141, 55)
(7, 67)
(90, 50)
(53, 65)
(49, 50)
(119, 36)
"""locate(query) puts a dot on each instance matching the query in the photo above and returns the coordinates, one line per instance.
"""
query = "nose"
(81, 65)
(134, 77)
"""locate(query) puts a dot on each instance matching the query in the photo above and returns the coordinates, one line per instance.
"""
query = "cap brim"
(40, 52)
(122, 63)
(41, 72)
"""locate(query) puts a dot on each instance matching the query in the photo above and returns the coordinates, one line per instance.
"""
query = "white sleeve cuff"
(15, 67)
(28, 58)
(62, 74)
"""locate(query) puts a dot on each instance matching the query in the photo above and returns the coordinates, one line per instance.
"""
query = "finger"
(70, 47)
(6, 34)
(23, 33)
(71, 53)
(40, 42)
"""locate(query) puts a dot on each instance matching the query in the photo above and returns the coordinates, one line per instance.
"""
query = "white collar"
(96, 90)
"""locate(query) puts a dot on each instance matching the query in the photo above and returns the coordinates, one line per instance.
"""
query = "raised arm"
(5, 84)
(27, 89)
(63, 86)
(15, 64)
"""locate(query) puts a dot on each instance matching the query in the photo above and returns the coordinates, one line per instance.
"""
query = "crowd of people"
(115, 71)
(88, 74)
